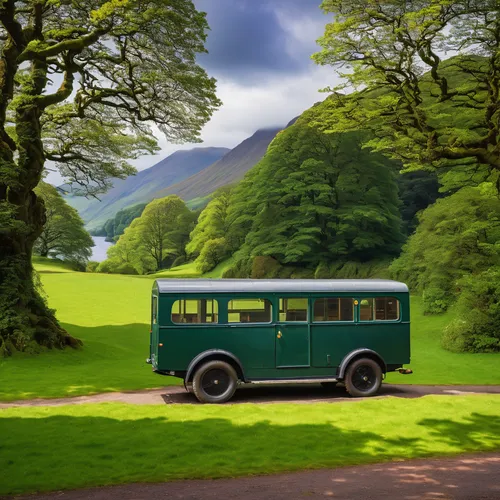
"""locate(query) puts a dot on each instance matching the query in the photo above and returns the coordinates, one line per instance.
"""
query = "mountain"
(143, 186)
(230, 168)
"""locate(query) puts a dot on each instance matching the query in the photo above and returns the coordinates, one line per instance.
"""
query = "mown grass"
(110, 313)
(49, 448)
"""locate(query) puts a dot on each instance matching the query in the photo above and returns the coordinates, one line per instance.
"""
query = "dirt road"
(299, 393)
(471, 477)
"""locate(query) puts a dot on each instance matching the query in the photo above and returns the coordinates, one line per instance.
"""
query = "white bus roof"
(277, 286)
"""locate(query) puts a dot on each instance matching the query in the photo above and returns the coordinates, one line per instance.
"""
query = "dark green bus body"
(278, 350)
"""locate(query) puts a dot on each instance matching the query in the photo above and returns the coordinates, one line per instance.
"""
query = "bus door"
(293, 345)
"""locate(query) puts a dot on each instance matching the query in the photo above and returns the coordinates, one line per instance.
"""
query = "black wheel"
(329, 386)
(215, 382)
(363, 378)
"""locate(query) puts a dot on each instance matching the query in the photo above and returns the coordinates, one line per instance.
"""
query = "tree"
(63, 233)
(161, 226)
(475, 328)
(316, 197)
(120, 65)
(457, 236)
(210, 230)
(419, 109)
(115, 227)
(153, 240)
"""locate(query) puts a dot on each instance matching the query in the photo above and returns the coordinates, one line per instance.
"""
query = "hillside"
(230, 168)
(143, 186)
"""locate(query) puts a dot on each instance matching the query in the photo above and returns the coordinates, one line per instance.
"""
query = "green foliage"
(115, 227)
(419, 109)
(92, 266)
(212, 253)
(212, 222)
(417, 190)
(63, 233)
(153, 241)
(477, 325)
(458, 235)
(314, 198)
(265, 267)
(208, 239)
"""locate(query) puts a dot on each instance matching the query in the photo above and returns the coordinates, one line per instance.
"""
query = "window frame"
(374, 298)
(197, 299)
(301, 322)
(249, 323)
(352, 321)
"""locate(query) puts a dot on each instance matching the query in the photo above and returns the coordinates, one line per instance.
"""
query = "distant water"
(100, 249)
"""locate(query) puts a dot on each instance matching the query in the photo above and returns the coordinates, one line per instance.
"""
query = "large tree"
(63, 234)
(316, 198)
(80, 84)
(420, 109)
(155, 239)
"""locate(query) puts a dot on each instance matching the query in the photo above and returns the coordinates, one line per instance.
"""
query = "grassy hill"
(143, 186)
(110, 313)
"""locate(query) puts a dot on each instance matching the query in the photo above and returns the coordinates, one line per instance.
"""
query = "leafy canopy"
(63, 234)
(457, 236)
(154, 240)
(316, 197)
(99, 73)
(420, 109)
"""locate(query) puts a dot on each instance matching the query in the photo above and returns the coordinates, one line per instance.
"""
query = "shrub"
(212, 253)
(477, 326)
(456, 236)
(92, 266)
(264, 266)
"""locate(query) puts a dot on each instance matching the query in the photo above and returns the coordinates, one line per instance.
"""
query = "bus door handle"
(279, 334)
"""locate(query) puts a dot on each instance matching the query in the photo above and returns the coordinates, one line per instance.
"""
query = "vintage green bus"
(217, 334)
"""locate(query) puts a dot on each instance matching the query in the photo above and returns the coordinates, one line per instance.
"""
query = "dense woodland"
(395, 174)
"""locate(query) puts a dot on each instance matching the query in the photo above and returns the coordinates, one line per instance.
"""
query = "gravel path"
(462, 478)
(299, 393)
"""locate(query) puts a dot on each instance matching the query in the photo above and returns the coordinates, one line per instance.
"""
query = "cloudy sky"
(259, 52)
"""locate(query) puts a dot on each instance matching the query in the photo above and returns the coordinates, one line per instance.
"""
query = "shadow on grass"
(112, 359)
(61, 452)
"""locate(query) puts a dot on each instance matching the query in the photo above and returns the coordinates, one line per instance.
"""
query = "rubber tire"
(201, 395)
(353, 391)
(329, 386)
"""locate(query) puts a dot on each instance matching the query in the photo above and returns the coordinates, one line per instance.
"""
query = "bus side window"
(334, 309)
(249, 311)
(195, 311)
(293, 309)
(379, 309)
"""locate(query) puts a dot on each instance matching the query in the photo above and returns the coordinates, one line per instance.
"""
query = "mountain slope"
(142, 186)
(230, 168)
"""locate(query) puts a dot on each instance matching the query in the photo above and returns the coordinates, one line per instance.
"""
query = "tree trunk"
(26, 322)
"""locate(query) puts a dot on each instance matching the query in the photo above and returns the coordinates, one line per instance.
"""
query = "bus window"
(293, 309)
(249, 311)
(334, 309)
(154, 310)
(195, 311)
(379, 309)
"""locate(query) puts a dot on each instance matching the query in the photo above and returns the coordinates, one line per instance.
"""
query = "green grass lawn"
(49, 448)
(110, 313)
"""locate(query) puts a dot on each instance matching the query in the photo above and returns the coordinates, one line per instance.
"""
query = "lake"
(100, 249)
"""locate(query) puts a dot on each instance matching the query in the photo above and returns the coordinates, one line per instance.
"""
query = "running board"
(293, 381)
